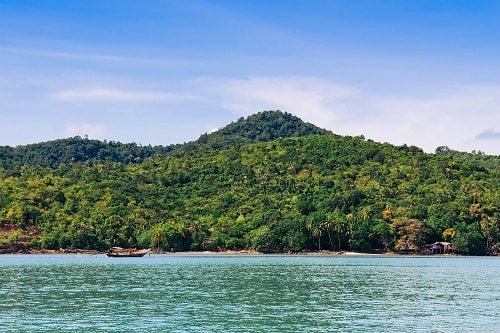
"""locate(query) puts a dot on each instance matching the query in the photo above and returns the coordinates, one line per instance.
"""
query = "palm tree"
(158, 234)
(315, 228)
(365, 214)
(351, 220)
(338, 223)
(328, 225)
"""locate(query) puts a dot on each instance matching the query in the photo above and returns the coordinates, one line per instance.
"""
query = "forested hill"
(263, 126)
(289, 194)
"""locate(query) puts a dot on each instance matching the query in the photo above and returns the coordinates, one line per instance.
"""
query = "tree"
(262, 239)
(339, 224)
(361, 236)
(382, 233)
(315, 226)
(468, 239)
(409, 234)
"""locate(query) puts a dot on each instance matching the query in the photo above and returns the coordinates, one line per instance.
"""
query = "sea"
(249, 293)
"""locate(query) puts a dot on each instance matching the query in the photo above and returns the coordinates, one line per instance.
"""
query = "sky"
(421, 72)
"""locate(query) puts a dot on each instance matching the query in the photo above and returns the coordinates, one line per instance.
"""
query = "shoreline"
(14, 251)
(19, 251)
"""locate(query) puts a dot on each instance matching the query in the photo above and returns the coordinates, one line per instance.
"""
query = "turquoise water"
(249, 293)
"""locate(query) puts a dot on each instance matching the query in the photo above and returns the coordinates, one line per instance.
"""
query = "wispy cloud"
(312, 99)
(111, 94)
(95, 131)
(488, 134)
(85, 56)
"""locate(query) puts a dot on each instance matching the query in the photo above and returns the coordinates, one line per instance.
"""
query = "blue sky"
(421, 72)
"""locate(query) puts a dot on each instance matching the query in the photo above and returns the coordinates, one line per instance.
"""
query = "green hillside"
(275, 189)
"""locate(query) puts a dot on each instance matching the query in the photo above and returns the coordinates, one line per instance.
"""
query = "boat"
(119, 252)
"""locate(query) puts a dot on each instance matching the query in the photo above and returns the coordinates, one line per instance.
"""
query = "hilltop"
(261, 127)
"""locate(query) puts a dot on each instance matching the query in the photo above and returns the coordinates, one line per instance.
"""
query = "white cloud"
(453, 119)
(94, 131)
(106, 94)
(312, 99)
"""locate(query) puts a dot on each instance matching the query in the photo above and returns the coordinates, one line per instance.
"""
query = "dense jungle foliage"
(281, 186)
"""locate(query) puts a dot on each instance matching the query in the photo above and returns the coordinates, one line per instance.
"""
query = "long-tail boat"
(120, 252)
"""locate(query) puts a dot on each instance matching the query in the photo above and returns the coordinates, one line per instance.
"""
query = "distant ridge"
(74, 150)
(260, 127)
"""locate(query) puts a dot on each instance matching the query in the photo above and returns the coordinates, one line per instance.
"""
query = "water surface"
(249, 293)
